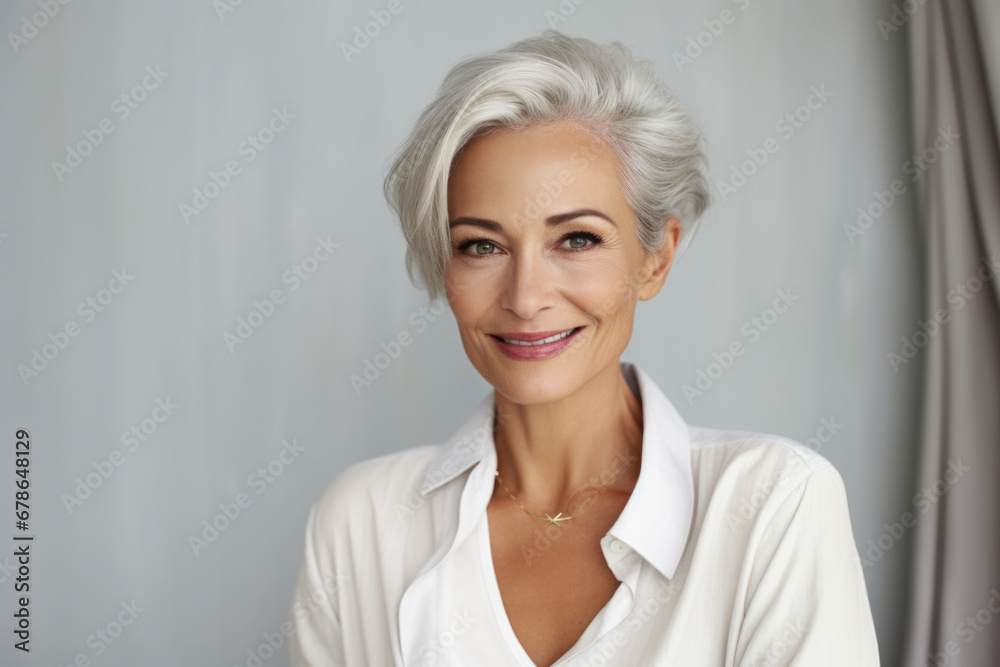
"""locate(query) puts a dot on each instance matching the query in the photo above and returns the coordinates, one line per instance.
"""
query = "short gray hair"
(553, 77)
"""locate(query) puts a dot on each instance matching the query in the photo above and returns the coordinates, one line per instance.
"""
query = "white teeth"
(514, 341)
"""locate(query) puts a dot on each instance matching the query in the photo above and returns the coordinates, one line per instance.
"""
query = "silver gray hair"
(550, 78)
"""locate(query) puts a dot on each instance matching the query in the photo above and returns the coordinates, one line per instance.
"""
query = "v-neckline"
(500, 612)
(493, 592)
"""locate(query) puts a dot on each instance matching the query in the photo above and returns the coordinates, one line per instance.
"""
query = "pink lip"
(534, 352)
(529, 337)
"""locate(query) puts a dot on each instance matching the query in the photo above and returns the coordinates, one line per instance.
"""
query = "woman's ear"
(658, 264)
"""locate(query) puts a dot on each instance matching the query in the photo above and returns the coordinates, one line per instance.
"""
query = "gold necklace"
(551, 519)
(558, 517)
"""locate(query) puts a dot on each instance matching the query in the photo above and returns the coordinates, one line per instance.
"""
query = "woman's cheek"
(603, 284)
(463, 279)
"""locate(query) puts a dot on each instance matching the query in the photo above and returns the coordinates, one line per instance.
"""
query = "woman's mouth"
(538, 345)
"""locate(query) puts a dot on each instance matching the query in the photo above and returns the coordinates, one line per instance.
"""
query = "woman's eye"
(483, 247)
(479, 247)
(581, 240)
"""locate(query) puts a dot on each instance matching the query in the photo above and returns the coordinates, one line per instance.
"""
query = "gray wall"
(162, 336)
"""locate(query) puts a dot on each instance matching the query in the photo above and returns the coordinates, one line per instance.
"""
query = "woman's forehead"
(545, 169)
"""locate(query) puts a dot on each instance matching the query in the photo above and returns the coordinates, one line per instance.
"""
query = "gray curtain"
(954, 617)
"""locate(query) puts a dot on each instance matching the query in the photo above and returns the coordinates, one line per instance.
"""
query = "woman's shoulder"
(774, 525)
(369, 486)
(727, 446)
(763, 466)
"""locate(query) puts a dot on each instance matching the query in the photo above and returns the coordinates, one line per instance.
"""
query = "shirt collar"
(656, 519)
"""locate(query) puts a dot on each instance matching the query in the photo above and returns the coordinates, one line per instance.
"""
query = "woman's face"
(543, 241)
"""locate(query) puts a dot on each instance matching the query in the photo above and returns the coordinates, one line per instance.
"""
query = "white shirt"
(734, 549)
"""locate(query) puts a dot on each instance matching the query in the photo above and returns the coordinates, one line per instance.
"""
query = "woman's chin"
(532, 383)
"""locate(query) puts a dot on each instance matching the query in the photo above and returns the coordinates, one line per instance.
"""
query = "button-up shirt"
(734, 549)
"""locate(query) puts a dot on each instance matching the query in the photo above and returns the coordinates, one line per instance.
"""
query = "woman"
(574, 518)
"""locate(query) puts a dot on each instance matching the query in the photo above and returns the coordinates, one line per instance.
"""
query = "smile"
(550, 339)
(544, 345)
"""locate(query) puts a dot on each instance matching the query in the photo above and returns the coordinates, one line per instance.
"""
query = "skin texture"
(569, 431)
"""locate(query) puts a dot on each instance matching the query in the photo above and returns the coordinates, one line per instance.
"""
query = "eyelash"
(593, 238)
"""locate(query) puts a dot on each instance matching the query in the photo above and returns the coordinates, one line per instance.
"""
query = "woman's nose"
(528, 285)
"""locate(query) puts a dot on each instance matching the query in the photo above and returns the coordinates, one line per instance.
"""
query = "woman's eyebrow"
(552, 220)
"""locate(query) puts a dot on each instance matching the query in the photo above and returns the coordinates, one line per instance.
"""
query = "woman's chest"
(553, 580)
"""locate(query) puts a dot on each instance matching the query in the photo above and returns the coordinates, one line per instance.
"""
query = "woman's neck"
(547, 453)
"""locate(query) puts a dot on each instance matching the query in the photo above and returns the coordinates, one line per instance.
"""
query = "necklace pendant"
(557, 518)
